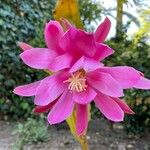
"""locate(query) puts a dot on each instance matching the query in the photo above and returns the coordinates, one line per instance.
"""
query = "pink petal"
(65, 23)
(50, 89)
(141, 73)
(78, 43)
(28, 89)
(53, 32)
(61, 62)
(91, 64)
(102, 51)
(42, 109)
(123, 106)
(88, 64)
(24, 46)
(62, 109)
(143, 83)
(126, 76)
(79, 64)
(38, 58)
(110, 109)
(104, 83)
(102, 31)
(84, 97)
(82, 118)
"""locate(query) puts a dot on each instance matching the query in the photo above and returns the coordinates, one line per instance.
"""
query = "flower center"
(77, 81)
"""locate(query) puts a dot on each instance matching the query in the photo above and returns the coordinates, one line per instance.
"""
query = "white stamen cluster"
(76, 82)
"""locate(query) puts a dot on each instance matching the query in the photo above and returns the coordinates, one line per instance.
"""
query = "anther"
(76, 82)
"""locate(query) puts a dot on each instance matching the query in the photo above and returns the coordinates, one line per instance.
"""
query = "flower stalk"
(71, 121)
(84, 142)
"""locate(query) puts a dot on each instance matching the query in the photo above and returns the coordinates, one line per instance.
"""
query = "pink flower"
(64, 48)
(76, 88)
(80, 78)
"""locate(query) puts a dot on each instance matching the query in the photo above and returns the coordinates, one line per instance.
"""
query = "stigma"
(77, 82)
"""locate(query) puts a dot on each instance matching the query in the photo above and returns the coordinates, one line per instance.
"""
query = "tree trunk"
(119, 17)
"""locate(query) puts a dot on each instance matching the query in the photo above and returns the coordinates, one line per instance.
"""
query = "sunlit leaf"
(68, 9)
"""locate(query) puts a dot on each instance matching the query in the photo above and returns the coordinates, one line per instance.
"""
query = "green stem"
(84, 143)
(71, 121)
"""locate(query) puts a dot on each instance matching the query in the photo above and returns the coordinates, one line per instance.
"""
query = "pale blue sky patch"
(130, 8)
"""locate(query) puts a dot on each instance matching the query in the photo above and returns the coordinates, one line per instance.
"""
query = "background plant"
(19, 21)
(32, 131)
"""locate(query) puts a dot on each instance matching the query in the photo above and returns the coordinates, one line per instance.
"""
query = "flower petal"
(53, 32)
(77, 65)
(50, 89)
(102, 51)
(123, 106)
(102, 31)
(28, 89)
(82, 118)
(38, 58)
(109, 107)
(84, 97)
(61, 62)
(42, 109)
(62, 109)
(104, 83)
(65, 23)
(78, 43)
(143, 83)
(24, 46)
(126, 76)
(91, 64)
(88, 64)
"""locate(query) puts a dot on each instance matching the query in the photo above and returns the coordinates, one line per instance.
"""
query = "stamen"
(77, 82)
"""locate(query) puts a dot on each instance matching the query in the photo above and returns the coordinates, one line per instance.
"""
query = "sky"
(131, 8)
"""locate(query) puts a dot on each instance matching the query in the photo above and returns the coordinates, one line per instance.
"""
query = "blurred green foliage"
(20, 20)
(145, 24)
(32, 131)
(90, 12)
